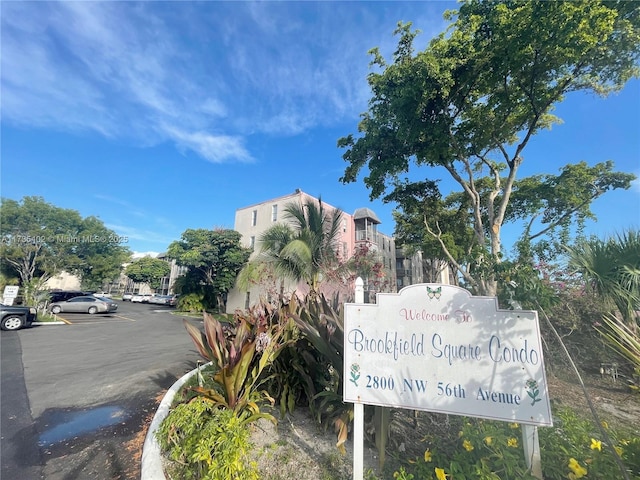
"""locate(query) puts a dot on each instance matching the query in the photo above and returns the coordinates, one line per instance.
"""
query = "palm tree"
(304, 248)
(611, 268)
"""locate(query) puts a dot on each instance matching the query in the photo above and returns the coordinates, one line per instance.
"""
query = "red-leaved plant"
(241, 353)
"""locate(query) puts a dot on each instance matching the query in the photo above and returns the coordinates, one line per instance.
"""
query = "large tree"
(470, 103)
(39, 240)
(213, 258)
(101, 255)
(148, 270)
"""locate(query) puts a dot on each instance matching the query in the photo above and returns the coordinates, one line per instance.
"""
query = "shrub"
(471, 448)
(206, 442)
(241, 353)
(482, 449)
(575, 443)
(319, 360)
(191, 302)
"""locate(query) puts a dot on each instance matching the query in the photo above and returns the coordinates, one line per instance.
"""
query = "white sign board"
(10, 293)
(438, 348)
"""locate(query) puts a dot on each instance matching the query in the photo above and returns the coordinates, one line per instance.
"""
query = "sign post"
(358, 412)
(531, 446)
(437, 348)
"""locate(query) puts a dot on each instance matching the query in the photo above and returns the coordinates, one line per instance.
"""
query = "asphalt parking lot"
(76, 397)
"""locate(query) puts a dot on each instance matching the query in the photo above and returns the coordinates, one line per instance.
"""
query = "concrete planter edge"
(151, 464)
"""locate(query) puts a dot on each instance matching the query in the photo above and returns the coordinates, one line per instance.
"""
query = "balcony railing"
(364, 236)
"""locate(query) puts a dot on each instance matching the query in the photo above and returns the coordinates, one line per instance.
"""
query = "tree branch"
(567, 215)
(445, 250)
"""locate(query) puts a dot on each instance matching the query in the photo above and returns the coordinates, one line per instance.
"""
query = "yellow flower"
(578, 470)
(604, 424)
(467, 445)
(513, 425)
(596, 444)
(618, 450)
(440, 475)
(488, 440)
(512, 442)
(427, 455)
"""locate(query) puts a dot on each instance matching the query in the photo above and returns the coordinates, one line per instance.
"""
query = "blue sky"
(162, 116)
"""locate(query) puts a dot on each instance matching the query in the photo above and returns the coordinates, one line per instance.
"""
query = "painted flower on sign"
(355, 374)
(533, 391)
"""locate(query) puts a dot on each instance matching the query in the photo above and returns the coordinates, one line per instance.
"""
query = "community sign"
(437, 348)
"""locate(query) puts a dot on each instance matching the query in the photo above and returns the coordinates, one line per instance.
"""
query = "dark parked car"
(15, 317)
(85, 304)
(63, 296)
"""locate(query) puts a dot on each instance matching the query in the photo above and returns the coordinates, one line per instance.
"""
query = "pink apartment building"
(356, 230)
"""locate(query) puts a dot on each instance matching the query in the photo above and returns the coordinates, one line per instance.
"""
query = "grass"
(46, 317)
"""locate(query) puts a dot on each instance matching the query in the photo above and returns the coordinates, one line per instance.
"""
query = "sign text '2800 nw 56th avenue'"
(438, 348)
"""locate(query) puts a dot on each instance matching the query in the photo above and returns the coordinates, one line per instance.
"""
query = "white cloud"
(145, 254)
(106, 67)
(134, 233)
(134, 70)
(215, 148)
(214, 107)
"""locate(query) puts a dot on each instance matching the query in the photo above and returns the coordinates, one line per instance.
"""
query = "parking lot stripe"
(126, 318)
(64, 320)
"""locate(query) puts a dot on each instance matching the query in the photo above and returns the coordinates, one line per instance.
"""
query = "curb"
(151, 467)
(48, 323)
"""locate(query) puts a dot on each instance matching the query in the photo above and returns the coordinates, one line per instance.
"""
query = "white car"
(157, 299)
(141, 298)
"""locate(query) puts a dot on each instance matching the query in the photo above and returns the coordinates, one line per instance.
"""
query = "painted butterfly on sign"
(434, 292)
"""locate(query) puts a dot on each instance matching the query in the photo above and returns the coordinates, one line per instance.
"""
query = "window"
(254, 218)
(252, 242)
(344, 225)
(274, 213)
